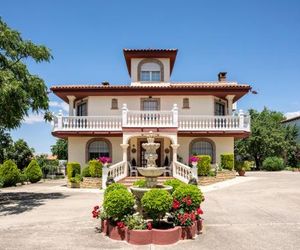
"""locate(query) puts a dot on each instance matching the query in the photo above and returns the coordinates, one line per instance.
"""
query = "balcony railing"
(152, 119)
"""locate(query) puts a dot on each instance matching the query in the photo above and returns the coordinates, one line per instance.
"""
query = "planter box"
(74, 185)
(188, 232)
(104, 227)
(139, 237)
(116, 233)
(241, 172)
(165, 236)
(199, 226)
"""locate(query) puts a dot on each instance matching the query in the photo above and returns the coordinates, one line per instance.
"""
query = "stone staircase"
(128, 181)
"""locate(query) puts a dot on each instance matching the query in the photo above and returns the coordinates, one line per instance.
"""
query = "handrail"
(183, 172)
(118, 171)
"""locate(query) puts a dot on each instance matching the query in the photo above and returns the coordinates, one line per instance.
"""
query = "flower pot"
(116, 233)
(199, 226)
(139, 237)
(74, 185)
(104, 226)
(188, 232)
(241, 172)
(165, 236)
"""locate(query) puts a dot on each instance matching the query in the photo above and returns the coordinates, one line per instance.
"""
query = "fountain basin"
(138, 192)
(151, 171)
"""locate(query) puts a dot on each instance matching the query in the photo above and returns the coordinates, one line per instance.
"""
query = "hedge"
(227, 161)
(204, 165)
(95, 168)
(86, 172)
(73, 168)
(273, 164)
(33, 172)
(9, 174)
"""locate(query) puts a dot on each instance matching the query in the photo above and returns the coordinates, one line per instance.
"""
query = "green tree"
(5, 143)
(20, 91)
(20, 153)
(60, 149)
(268, 137)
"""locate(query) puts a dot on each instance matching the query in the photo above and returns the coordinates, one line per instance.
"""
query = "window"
(150, 104)
(98, 148)
(81, 109)
(203, 147)
(114, 103)
(150, 72)
(219, 108)
(186, 103)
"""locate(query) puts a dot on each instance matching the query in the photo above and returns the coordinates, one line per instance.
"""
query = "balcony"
(152, 119)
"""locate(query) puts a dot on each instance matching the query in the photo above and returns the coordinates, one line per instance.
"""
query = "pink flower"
(199, 211)
(194, 159)
(104, 159)
(149, 226)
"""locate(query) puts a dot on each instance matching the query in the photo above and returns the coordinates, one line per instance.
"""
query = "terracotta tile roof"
(148, 50)
(291, 119)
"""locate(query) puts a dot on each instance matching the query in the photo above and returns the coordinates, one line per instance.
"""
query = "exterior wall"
(223, 145)
(77, 149)
(199, 105)
(135, 63)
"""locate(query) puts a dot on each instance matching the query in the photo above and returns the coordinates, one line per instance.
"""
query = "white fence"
(183, 172)
(118, 171)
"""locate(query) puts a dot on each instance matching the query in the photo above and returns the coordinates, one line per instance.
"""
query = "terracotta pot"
(188, 232)
(199, 226)
(139, 237)
(242, 172)
(104, 226)
(165, 236)
(74, 185)
(116, 233)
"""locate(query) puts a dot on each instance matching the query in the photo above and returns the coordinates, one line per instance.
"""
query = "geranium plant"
(193, 158)
(104, 160)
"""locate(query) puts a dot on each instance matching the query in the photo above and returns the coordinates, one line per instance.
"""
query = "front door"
(143, 161)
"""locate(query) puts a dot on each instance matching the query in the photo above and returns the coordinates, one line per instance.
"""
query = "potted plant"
(199, 220)
(242, 166)
(75, 181)
(104, 160)
(194, 161)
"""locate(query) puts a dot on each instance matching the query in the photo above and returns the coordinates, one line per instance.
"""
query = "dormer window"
(150, 70)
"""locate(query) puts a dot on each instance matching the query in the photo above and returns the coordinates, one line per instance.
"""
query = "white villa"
(187, 117)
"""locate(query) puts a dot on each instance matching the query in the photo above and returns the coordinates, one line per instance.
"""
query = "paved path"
(261, 211)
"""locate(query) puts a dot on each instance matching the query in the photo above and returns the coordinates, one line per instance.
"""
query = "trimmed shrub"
(114, 186)
(174, 183)
(118, 203)
(9, 174)
(184, 191)
(242, 165)
(73, 168)
(86, 172)
(227, 161)
(33, 172)
(95, 168)
(23, 178)
(76, 179)
(273, 164)
(157, 203)
(140, 183)
(204, 165)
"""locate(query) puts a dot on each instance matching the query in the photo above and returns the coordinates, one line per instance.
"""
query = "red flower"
(96, 207)
(189, 202)
(199, 211)
(120, 224)
(176, 204)
(193, 217)
(149, 226)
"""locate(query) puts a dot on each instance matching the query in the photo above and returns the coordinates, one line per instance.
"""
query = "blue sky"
(256, 42)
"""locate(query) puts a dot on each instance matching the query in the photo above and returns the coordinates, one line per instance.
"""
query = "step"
(128, 181)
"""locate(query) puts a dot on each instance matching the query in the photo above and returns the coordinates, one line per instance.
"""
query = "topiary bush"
(86, 172)
(118, 203)
(95, 168)
(204, 165)
(73, 168)
(191, 191)
(273, 164)
(114, 186)
(227, 161)
(140, 183)
(33, 172)
(175, 183)
(9, 174)
(157, 203)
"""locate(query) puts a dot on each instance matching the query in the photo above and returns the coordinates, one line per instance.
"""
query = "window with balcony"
(203, 146)
(81, 109)
(150, 104)
(219, 108)
(98, 148)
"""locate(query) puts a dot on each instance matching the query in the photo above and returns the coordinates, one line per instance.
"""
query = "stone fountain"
(150, 172)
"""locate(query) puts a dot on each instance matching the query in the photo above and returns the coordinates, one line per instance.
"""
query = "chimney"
(222, 76)
(105, 83)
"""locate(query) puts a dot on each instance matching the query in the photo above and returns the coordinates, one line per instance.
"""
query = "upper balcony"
(130, 119)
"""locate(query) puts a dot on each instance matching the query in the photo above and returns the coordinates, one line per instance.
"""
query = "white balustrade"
(183, 172)
(117, 171)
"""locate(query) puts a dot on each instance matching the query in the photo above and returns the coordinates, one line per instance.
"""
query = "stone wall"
(221, 176)
(90, 182)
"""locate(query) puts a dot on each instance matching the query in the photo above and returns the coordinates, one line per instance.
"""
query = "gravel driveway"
(261, 212)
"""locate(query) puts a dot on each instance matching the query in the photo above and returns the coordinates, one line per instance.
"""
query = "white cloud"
(34, 118)
(62, 105)
(289, 115)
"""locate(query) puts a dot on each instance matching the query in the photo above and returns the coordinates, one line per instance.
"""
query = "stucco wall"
(223, 145)
(199, 105)
(77, 149)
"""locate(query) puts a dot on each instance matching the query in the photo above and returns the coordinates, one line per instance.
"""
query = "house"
(186, 117)
(294, 121)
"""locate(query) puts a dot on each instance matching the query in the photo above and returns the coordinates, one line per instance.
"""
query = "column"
(124, 147)
(230, 102)
(124, 115)
(175, 115)
(241, 119)
(174, 147)
(71, 99)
